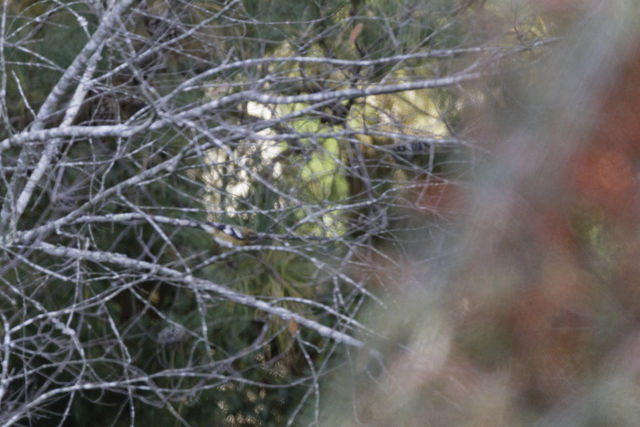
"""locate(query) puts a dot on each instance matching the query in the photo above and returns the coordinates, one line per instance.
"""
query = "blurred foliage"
(535, 320)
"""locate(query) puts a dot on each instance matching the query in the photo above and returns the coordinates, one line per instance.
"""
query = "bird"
(229, 235)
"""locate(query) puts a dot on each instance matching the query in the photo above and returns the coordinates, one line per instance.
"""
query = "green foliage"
(38, 69)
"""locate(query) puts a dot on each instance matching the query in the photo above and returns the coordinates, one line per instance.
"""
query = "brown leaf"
(355, 32)
(293, 326)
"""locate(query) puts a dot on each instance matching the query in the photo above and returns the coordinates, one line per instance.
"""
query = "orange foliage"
(604, 177)
(568, 253)
(550, 329)
(438, 197)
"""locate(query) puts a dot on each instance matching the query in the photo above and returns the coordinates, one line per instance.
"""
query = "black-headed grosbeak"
(230, 235)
